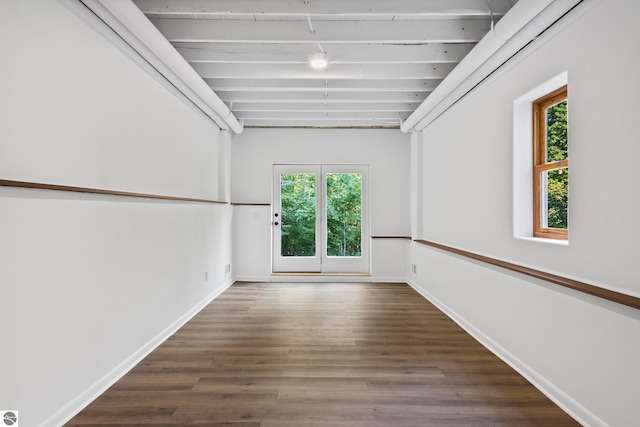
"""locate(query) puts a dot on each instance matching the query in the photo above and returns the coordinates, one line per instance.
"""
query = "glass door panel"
(295, 222)
(320, 218)
(344, 214)
(298, 214)
(346, 210)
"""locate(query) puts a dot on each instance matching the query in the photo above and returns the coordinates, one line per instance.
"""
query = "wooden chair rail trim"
(250, 204)
(607, 294)
(391, 237)
(41, 186)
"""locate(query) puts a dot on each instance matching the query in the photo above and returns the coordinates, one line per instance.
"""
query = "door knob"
(275, 223)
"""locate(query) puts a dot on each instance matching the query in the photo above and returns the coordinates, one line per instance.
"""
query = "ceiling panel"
(383, 58)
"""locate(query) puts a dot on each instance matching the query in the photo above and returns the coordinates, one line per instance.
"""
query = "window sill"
(556, 242)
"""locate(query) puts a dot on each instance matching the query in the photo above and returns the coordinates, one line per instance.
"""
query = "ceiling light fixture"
(319, 63)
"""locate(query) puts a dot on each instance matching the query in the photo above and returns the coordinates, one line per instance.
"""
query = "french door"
(321, 218)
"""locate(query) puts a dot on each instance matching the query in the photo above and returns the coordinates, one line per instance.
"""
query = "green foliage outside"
(298, 208)
(558, 179)
(344, 214)
(557, 132)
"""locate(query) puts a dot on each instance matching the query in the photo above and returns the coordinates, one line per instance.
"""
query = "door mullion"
(320, 210)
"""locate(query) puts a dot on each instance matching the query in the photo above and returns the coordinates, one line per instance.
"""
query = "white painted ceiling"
(384, 57)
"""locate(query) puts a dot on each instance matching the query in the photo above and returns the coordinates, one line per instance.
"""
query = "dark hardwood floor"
(322, 355)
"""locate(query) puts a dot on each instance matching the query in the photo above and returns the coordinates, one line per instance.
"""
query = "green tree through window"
(344, 214)
(298, 208)
(557, 180)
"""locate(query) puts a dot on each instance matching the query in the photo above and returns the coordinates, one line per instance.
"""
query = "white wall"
(255, 151)
(90, 283)
(581, 350)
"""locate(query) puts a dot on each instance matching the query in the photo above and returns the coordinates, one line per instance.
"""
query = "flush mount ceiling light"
(319, 63)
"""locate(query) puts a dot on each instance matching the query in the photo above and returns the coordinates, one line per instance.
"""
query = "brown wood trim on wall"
(607, 294)
(250, 204)
(40, 186)
(391, 237)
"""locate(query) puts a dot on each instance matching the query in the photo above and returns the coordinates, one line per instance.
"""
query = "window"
(551, 166)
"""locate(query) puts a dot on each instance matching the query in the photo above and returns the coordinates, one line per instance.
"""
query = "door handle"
(275, 223)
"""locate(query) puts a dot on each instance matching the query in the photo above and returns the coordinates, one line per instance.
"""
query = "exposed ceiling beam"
(335, 71)
(376, 32)
(318, 85)
(319, 115)
(384, 58)
(323, 7)
(326, 106)
(319, 97)
(336, 53)
(329, 124)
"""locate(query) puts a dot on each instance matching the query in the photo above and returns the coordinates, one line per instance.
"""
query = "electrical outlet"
(227, 269)
(414, 268)
(206, 276)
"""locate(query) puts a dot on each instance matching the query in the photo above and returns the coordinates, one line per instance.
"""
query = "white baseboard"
(89, 395)
(389, 279)
(253, 278)
(560, 398)
(321, 279)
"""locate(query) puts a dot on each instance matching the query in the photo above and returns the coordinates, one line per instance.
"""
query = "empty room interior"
(320, 213)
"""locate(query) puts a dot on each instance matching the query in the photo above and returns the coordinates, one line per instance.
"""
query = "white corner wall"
(580, 350)
(255, 151)
(91, 283)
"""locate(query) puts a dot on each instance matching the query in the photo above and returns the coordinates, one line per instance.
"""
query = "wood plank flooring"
(322, 355)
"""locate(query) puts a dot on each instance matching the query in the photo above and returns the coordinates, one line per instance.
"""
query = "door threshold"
(293, 273)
